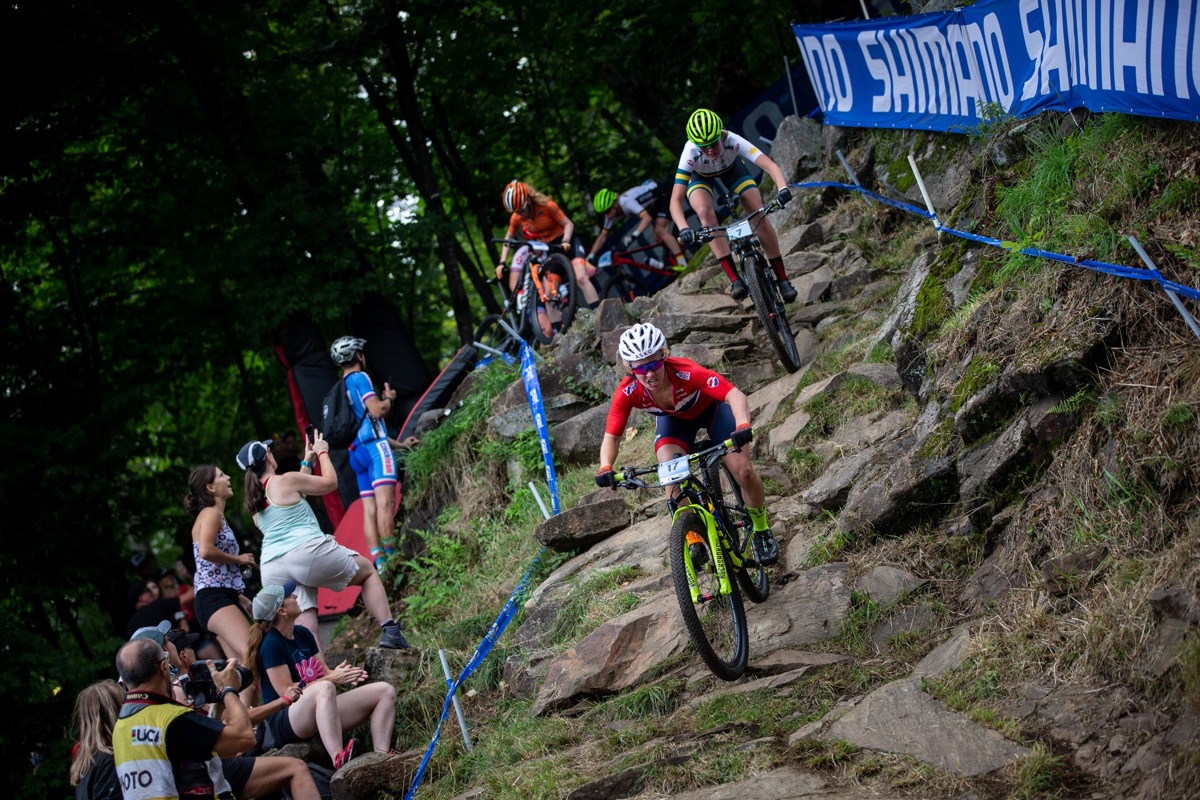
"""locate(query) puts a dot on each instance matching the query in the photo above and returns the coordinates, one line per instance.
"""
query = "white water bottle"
(654, 262)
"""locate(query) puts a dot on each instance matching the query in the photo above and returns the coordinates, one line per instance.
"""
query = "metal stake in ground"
(462, 721)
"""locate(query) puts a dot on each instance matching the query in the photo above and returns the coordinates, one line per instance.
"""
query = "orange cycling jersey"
(545, 223)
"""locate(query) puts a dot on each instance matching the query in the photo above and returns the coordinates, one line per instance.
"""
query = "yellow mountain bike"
(711, 551)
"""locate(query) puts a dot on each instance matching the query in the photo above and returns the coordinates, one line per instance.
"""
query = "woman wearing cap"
(295, 548)
(93, 771)
(285, 657)
(220, 590)
(684, 397)
(711, 154)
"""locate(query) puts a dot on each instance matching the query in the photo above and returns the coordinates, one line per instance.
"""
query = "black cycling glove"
(784, 196)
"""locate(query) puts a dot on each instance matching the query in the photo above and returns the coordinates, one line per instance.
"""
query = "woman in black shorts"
(220, 590)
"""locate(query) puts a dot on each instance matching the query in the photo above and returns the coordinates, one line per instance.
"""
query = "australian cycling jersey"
(693, 159)
(545, 223)
(693, 388)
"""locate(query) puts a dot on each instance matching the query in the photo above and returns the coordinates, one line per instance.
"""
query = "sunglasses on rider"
(648, 367)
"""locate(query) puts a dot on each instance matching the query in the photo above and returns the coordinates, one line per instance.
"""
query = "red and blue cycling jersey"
(694, 390)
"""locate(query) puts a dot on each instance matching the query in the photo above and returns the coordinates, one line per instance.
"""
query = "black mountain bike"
(712, 554)
(764, 289)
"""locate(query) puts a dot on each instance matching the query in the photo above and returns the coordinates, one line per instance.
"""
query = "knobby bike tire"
(559, 265)
(533, 329)
(769, 306)
(491, 334)
(732, 508)
(717, 627)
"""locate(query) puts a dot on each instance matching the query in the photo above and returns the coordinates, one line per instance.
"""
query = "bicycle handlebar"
(707, 234)
(533, 244)
(630, 475)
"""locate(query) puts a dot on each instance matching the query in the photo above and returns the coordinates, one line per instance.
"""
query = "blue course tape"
(489, 641)
(533, 393)
(1119, 270)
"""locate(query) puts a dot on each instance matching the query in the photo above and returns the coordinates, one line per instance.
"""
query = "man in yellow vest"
(163, 749)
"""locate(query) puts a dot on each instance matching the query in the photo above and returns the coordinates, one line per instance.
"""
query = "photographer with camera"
(285, 656)
(166, 749)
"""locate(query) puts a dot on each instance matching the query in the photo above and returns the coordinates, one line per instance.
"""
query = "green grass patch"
(978, 374)
(854, 634)
(1042, 774)
(763, 708)
(855, 396)
(933, 308)
(593, 602)
(804, 465)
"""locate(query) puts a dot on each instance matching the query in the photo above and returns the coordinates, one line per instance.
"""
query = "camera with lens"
(199, 686)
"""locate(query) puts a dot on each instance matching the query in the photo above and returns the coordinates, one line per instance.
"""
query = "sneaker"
(380, 564)
(393, 638)
(738, 290)
(353, 748)
(766, 551)
(788, 291)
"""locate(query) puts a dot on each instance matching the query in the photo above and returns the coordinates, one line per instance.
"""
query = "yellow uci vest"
(140, 752)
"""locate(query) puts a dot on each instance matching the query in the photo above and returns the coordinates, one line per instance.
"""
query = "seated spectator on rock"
(93, 772)
(150, 607)
(285, 656)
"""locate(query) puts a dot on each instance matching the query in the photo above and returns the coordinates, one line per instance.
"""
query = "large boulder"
(900, 718)
(618, 655)
(577, 529)
(798, 147)
(577, 439)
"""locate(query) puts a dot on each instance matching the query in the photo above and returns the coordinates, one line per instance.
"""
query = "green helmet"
(604, 200)
(703, 127)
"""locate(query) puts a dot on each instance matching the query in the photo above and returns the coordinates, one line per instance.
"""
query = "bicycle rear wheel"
(717, 623)
(561, 273)
(768, 305)
(732, 508)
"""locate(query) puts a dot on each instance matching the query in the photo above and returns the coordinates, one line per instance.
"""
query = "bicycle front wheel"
(493, 335)
(563, 290)
(732, 509)
(716, 622)
(769, 306)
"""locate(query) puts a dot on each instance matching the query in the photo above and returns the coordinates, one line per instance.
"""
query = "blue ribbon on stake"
(1119, 270)
(489, 641)
(533, 393)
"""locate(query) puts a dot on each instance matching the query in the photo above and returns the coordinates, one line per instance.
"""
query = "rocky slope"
(983, 488)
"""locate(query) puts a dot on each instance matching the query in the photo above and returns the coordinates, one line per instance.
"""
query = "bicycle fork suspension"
(717, 553)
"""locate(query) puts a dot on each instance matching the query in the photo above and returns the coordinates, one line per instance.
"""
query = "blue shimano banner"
(953, 70)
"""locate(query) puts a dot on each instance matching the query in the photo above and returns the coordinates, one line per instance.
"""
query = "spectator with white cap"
(286, 656)
(295, 548)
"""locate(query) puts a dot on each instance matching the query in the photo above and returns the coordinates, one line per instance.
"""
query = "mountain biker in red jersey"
(714, 153)
(684, 397)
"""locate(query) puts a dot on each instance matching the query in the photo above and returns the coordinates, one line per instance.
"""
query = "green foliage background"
(179, 179)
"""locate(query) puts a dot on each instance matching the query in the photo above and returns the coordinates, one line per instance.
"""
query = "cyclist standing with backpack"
(370, 453)
(713, 153)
